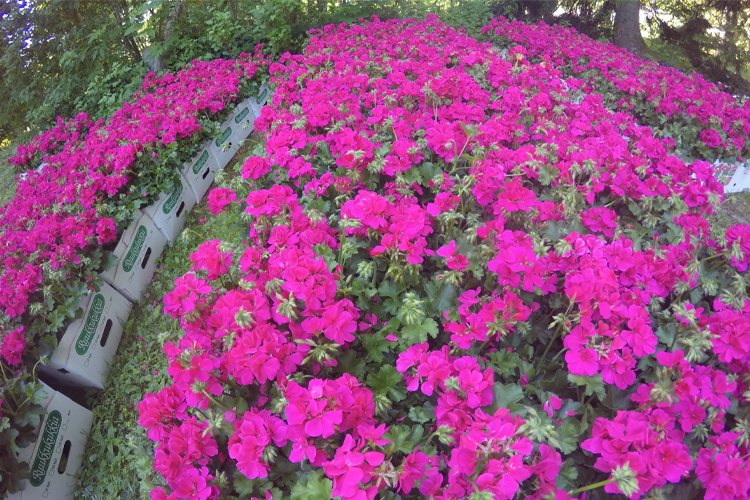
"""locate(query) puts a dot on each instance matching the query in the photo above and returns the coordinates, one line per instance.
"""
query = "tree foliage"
(60, 57)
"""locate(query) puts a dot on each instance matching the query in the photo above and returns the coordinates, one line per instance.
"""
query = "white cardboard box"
(137, 251)
(264, 93)
(201, 171)
(89, 344)
(225, 145)
(170, 211)
(63, 432)
(740, 181)
(243, 118)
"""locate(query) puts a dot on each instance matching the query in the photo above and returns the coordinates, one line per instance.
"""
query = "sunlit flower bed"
(456, 283)
(704, 121)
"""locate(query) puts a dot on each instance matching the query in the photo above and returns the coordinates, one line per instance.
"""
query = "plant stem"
(549, 345)
(558, 354)
(714, 256)
(216, 402)
(593, 486)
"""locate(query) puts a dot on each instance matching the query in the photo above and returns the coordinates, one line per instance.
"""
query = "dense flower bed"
(54, 233)
(407, 249)
(456, 284)
(704, 121)
(95, 175)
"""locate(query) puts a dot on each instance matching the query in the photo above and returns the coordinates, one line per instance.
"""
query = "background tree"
(627, 26)
(60, 57)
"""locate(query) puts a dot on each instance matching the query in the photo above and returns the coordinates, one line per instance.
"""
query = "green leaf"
(403, 439)
(593, 384)
(412, 334)
(422, 414)
(386, 382)
(389, 495)
(243, 485)
(430, 327)
(313, 487)
(351, 364)
(376, 345)
(389, 289)
(545, 173)
(504, 396)
(417, 334)
(568, 474)
(504, 361)
(441, 298)
(567, 438)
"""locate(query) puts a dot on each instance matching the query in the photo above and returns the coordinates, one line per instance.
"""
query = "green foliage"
(504, 396)
(313, 487)
(388, 382)
(470, 15)
(710, 37)
(21, 413)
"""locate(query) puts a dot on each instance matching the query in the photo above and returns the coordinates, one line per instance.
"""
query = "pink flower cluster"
(651, 439)
(720, 122)
(463, 388)
(403, 225)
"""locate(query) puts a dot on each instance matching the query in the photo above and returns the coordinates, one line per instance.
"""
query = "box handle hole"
(64, 458)
(205, 174)
(179, 210)
(105, 333)
(145, 258)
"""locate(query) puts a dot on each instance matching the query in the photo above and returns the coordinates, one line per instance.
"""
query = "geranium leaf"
(385, 383)
(593, 384)
(314, 486)
(504, 396)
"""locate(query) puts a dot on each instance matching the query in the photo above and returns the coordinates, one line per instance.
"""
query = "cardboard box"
(23, 175)
(734, 177)
(89, 344)
(225, 145)
(243, 118)
(137, 251)
(201, 171)
(170, 211)
(264, 94)
(58, 452)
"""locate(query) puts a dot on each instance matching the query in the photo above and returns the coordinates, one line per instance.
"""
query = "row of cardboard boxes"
(90, 343)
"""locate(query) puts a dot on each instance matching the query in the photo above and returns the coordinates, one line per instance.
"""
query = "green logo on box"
(135, 248)
(46, 448)
(238, 119)
(173, 199)
(92, 322)
(223, 137)
(200, 163)
(262, 97)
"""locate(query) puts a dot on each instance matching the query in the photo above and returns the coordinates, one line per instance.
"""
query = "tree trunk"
(233, 10)
(127, 41)
(628, 26)
(174, 13)
(322, 6)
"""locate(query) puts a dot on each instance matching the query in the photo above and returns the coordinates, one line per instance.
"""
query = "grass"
(118, 462)
(736, 208)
